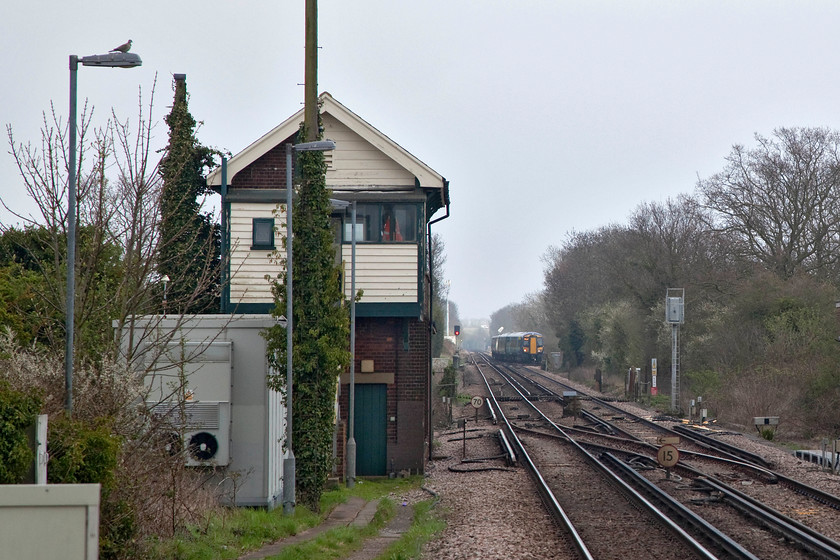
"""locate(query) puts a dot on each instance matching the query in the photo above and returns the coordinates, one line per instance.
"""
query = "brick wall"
(267, 172)
(383, 340)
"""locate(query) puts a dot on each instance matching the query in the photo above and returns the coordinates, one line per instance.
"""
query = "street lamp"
(289, 461)
(351, 440)
(110, 60)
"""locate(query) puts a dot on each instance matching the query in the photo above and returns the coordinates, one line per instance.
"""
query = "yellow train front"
(523, 347)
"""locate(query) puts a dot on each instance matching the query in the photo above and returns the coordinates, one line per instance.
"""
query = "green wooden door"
(370, 429)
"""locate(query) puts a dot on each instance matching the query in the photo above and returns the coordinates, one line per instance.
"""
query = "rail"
(628, 490)
(543, 489)
(791, 529)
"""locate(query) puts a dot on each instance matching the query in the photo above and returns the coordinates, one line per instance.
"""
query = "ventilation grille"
(204, 415)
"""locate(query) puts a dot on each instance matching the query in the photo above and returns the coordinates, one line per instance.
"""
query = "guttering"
(224, 265)
(445, 202)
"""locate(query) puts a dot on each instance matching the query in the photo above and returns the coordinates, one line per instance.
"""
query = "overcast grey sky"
(545, 116)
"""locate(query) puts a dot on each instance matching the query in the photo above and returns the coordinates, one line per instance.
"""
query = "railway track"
(703, 520)
(751, 463)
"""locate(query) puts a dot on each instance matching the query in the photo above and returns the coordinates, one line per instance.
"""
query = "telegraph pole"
(310, 88)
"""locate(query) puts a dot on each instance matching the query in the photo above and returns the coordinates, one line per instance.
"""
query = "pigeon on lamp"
(124, 48)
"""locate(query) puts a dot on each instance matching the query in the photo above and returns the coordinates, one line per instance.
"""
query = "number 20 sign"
(668, 455)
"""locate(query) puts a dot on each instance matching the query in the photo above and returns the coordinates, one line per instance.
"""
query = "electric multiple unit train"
(525, 347)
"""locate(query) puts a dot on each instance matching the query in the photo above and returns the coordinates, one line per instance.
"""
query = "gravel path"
(490, 513)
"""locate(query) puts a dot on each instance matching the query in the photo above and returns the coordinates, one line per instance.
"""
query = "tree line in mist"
(755, 247)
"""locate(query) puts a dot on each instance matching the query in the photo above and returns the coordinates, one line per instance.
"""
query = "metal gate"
(370, 430)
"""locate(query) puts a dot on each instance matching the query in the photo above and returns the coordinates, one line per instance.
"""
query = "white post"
(41, 455)
(674, 389)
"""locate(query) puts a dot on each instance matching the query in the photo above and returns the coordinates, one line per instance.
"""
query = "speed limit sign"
(477, 402)
(668, 455)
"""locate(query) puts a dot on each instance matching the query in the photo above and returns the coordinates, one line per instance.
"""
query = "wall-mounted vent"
(205, 427)
(189, 415)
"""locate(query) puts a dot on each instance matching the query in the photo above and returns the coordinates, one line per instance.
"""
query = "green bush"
(449, 382)
(81, 454)
(87, 454)
(768, 433)
(118, 529)
(17, 412)
(703, 382)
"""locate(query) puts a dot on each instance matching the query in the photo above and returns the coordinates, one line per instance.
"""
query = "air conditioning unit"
(206, 430)
(199, 372)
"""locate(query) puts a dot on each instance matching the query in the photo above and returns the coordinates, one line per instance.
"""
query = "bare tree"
(44, 173)
(603, 277)
(117, 280)
(119, 212)
(439, 290)
(781, 200)
(669, 244)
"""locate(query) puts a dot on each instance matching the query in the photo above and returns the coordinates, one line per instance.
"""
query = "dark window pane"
(399, 222)
(367, 215)
(262, 233)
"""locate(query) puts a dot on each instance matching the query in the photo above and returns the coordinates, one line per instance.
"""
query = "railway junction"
(596, 486)
(596, 479)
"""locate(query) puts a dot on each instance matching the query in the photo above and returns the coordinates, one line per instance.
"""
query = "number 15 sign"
(668, 455)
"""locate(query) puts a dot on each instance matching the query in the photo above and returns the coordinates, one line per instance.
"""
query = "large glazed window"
(383, 223)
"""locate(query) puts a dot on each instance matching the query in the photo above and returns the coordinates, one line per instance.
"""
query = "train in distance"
(524, 347)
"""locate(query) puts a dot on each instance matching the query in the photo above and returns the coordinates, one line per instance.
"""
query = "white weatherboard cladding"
(358, 162)
(386, 272)
(248, 268)
(345, 127)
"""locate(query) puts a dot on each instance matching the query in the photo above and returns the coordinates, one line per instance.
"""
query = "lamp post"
(110, 60)
(289, 461)
(351, 440)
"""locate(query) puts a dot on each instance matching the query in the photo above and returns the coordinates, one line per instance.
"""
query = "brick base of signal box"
(400, 352)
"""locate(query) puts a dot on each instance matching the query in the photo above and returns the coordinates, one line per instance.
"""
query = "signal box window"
(366, 216)
(399, 222)
(383, 223)
(262, 234)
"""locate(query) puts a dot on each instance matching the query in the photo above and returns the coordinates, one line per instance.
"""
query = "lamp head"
(112, 60)
(317, 146)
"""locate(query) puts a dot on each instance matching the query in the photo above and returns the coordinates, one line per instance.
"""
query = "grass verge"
(341, 542)
(233, 531)
(427, 523)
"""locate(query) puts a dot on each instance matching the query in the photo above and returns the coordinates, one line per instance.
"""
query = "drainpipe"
(431, 433)
(224, 289)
